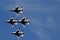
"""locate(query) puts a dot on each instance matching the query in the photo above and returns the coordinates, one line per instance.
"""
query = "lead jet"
(12, 21)
(18, 33)
(23, 21)
(18, 10)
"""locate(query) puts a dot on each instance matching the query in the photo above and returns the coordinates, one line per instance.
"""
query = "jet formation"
(12, 21)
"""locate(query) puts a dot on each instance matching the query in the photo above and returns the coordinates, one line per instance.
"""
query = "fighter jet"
(23, 21)
(17, 10)
(12, 21)
(18, 33)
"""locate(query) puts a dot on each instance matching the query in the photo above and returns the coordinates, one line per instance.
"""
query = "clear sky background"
(44, 18)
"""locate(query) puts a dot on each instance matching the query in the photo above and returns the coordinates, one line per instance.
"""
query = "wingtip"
(17, 14)
(12, 26)
(12, 17)
(17, 6)
(24, 17)
(23, 26)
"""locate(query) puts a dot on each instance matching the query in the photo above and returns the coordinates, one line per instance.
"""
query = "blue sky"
(44, 18)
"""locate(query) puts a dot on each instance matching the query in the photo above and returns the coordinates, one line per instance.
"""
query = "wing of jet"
(16, 8)
(24, 18)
